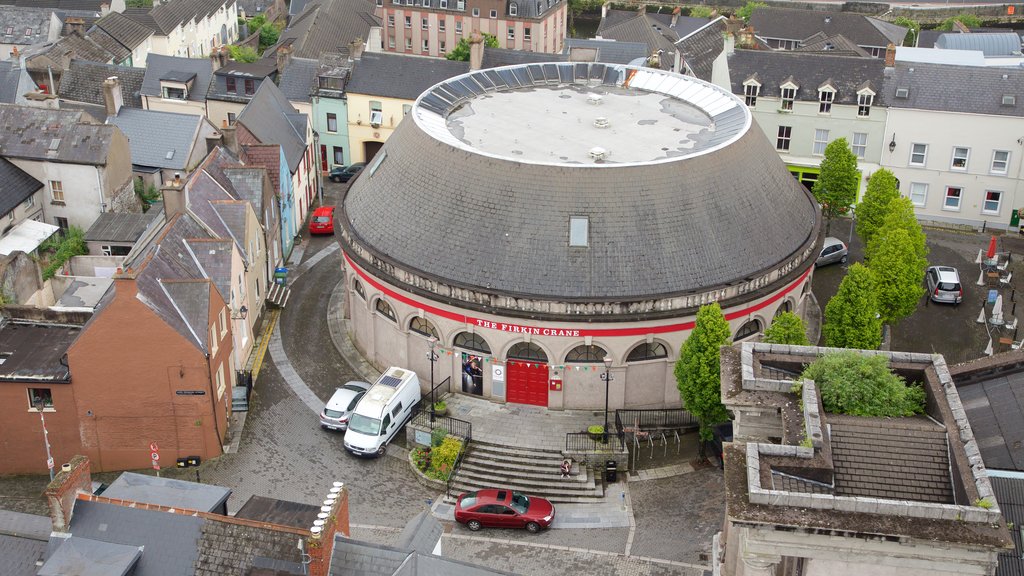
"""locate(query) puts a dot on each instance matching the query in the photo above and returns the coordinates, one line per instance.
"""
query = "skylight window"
(579, 231)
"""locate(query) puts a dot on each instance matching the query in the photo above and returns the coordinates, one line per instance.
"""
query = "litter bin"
(611, 471)
(281, 275)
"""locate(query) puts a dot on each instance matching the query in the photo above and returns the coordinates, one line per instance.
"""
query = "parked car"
(944, 284)
(345, 173)
(322, 221)
(503, 509)
(834, 250)
(382, 412)
(337, 410)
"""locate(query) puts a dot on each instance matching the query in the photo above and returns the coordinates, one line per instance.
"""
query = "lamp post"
(607, 377)
(433, 357)
(38, 401)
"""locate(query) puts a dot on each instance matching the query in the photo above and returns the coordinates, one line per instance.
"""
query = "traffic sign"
(49, 463)
(155, 456)
(156, 465)
(153, 447)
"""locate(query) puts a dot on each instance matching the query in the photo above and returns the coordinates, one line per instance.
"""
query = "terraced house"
(189, 28)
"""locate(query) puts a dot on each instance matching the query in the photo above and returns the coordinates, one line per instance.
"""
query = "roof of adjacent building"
(702, 47)
(836, 45)
(608, 50)
(280, 512)
(16, 186)
(1009, 492)
(72, 47)
(35, 351)
(431, 169)
(85, 557)
(299, 79)
(374, 74)
(796, 24)
(653, 30)
(992, 392)
(20, 19)
(966, 89)
(327, 26)
(270, 117)
(497, 57)
(117, 50)
(129, 33)
(167, 492)
(26, 236)
(991, 43)
(810, 72)
(159, 139)
(53, 135)
(173, 13)
(83, 82)
(160, 67)
(10, 74)
(90, 5)
(23, 540)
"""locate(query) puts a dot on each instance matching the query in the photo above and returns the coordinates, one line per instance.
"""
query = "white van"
(382, 411)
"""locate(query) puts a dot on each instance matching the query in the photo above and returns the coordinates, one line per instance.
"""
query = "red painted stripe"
(635, 331)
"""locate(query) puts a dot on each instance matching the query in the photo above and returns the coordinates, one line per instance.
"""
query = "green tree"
(913, 29)
(748, 10)
(851, 316)
(836, 187)
(243, 54)
(138, 3)
(899, 274)
(61, 248)
(698, 370)
(969, 20)
(701, 11)
(900, 214)
(859, 385)
(786, 328)
(874, 206)
(269, 35)
(461, 50)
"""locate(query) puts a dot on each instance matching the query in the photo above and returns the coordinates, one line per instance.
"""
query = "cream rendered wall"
(217, 110)
(83, 192)
(30, 209)
(172, 105)
(359, 128)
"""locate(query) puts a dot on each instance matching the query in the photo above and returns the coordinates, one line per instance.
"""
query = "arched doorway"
(370, 150)
(527, 374)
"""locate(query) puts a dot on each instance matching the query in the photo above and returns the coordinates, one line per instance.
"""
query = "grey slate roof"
(74, 46)
(280, 512)
(9, 75)
(837, 45)
(1009, 493)
(18, 556)
(995, 409)
(809, 70)
(214, 256)
(227, 548)
(54, 135)
(991, 43)
(352, 558)
(22, 19)
(611, 51)
(126, 31)
(795, 24)
(25, 525)
(299, 79)
(16, 186)
(36, 351)
(90, 5)
(374, 74)
(327, 26)
(119, 52)
(173, 13)
(85, 557)
(83, 82)
(272, 119)
(159, 66)
(966, 89)
(167, 492)
(700, 48)
(497, 57)
(153, 136)
(421, 534)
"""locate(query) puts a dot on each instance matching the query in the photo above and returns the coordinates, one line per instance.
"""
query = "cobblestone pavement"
(676, 517)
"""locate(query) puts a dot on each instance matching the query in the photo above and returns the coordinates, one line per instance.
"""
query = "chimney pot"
(61, 493)
(890, 55)
(476, 51)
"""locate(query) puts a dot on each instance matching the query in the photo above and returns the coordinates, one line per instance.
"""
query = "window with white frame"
(37, 396)
(223, 317)
(860, 144)
(391, 41)
(953, 196)
(408, 21)
(442, 47)
(511, 32)
(332, 122)
(820, 142)
(408, 43)
(960, 155)
(750, 92)
(476, 12)
(785, 135)
(825, 99)
(56, 190)
(377, 109)
(441, 25)
(460, 4)
(1000, 161)
(788, 96)
(526, 33)
(993, 200)
(391, 20)
(458, 26)
(918, 154)
(494, 13)
(443, 4)
(425, 47)
(918, 193)
(213, 339)
(513, 9)
(424, 24)
(864, 102)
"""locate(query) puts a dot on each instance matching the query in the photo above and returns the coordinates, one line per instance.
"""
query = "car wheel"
(474, 525)
(383, 448)
(844, 259)
(532, 527)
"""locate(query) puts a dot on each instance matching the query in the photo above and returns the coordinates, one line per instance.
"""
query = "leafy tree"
(900, 214)
(899, 274)
(836, 187)
(138, 3)
(913, 29)
(702, 12)
(851, 316)
(748, 10)
(874, 206)
(786, 328)
(243, 54)
(698, 370)
(969, 20)
(859, 385)
(269, 35)
(461, 50)
(577, 7)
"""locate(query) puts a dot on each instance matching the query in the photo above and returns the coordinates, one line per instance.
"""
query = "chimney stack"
(675, 16)
(215, 59)
(61, 493)
(75, 25)
(112, 97)
(212, 141)
(284, 56)
(223, 56)
(229, 136)
(174, 196)
(333, 518)
(105, 8)
(604, 9)
(890, 55)
(355, 49)
(476, 51)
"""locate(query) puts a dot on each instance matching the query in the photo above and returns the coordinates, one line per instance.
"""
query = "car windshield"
(364, 425)
(469, 500)
(520, 503)
(948, 286)
(332, 413)
(355, 400)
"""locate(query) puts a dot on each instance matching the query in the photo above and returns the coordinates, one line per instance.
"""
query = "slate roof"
(993, 44)
(10, 73)
(496, 57)
(90, 5)
(299, 79)
(653, 30)
(54, 135)
(809, 71)
(85, 557)
(36, 19)
(227, 548)
(159, 66)
(173, 13)
(214, 256)
(36, 351)
(16, 186)
(280, 512)
(167, 492)
(700, 48)
(126, 31)
(18, 556)
(421, 534)
(374, 74)
(1009, 493)
(83, 82)
(327, 26)
(612, 51)
(837, 45)
(74, 46)
(795, 24)
(352, 558)
(965, 89)
(153, 136)
(110, 44)
(270, 117)
(995, 408)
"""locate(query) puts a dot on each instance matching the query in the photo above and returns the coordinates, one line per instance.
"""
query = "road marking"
(314, 260)
(264, 342)
(290, 376)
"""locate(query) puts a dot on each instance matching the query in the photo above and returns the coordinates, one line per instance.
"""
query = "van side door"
(385, 426)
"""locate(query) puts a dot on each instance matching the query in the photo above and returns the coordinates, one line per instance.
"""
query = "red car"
(503, 509)
(322, 221)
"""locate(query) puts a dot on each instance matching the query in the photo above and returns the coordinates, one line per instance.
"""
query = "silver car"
(834, 250)
(335, 414)
(944, 284)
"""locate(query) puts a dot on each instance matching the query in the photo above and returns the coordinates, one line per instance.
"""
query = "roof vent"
(54, 144)
(598, 153)
(1009, 100)
(902, 92)
(601, 122)
(828, 19)
(594, 99)
(170, 154)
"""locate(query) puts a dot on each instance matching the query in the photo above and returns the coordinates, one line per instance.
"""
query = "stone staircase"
(529, 470)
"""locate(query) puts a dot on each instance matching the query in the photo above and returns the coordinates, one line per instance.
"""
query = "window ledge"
(989, 213)
(57, 203)
(45, 410)
(948, 209)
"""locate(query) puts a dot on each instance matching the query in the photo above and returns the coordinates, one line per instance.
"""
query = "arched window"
(584, 354)
(747, 330)
(786, 306)
(424, 327)
(385, 309)
(513, 9)
(645, 351)
(472, 342)
(359, 289)
(527, 351)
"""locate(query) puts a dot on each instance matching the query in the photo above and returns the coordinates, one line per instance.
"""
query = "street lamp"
(607, 377)
(433, 357)
(39, 404)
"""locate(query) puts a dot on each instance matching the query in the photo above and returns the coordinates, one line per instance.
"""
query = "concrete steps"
(532, 471)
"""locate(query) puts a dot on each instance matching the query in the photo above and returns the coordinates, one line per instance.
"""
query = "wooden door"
(527, 383)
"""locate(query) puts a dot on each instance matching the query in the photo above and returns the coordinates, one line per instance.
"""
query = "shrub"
(443, 458)
(858, 385)
(747, 10)
(65, 247)
(243, 54)
(595, 429)
(701, 12)
(786, 328)
(437, 436)
(421, 458)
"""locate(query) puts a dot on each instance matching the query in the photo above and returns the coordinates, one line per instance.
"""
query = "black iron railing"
(631, 421)
(455, 468)
(585, 442)
(438, 392)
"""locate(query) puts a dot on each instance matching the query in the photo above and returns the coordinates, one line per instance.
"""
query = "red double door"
(527, 383)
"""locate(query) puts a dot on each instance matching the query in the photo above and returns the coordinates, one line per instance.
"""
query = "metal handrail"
(674, 418)
(584, 442)
(455, 469)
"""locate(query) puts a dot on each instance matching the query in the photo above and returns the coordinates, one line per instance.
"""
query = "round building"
(531, 221)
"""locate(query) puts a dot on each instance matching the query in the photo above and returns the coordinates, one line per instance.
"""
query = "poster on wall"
(472, 374)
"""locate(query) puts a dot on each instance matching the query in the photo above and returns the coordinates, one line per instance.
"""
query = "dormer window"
(751, 90)
(513, 9)
(173, 92)
(788, 96)
(232, 87)
(825, 98)
(864, 101)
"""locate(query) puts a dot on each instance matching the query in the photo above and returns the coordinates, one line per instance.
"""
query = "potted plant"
(440, 408)
(596, 432)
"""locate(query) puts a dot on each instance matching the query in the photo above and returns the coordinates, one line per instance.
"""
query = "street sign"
(49, 463)
(156, 465)
(155, 456)
(153, 447)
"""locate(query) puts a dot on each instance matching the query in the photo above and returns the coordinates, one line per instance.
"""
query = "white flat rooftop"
(26, 237)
